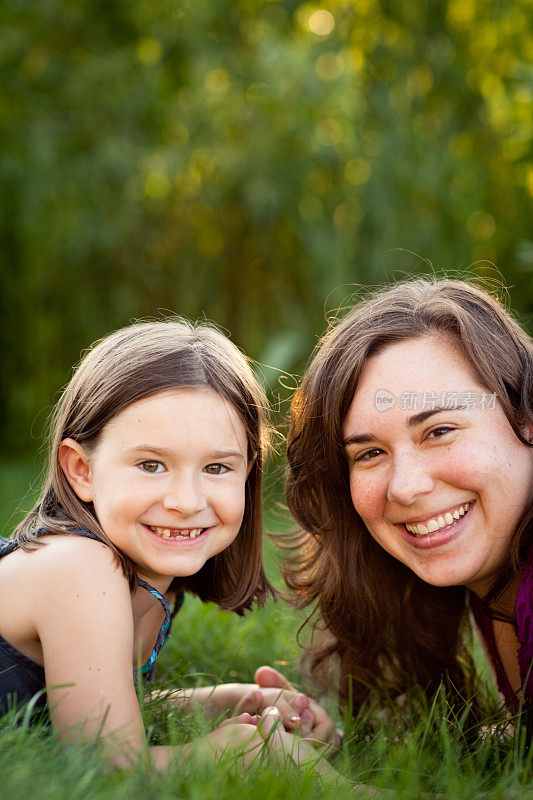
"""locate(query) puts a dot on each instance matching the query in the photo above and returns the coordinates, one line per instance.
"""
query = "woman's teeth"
(175, 533)
(437, 523)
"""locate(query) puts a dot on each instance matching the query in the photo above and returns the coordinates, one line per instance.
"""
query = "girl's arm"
(238, 698)
(83, 618)
(81, 611)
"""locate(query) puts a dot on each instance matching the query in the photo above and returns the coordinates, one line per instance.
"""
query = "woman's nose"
(409, 479)
(184, 495)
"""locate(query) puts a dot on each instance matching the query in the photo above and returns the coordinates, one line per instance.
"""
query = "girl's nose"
(184, 495)
(409, 479)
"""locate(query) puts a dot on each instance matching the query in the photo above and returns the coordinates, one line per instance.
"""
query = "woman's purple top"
(524, 634)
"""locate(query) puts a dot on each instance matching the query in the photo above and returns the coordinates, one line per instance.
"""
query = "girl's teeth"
(171, 533)
(439, 522)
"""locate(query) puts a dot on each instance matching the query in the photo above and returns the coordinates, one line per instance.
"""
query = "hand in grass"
(264, 736)
(284, 747)
(298, 712)
(249, 698)
(293, 706)
(238, 734)
(316, 723)
(252, 737)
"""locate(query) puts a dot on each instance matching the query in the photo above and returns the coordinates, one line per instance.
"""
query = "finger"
(242, 719)
(269, 722)
(308, 722)
(300, 701)
(258, 701)
(253, 702)
(323, 729)
(293, 723)
(268, 677)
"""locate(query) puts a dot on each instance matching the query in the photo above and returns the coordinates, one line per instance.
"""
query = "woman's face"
(440, 488)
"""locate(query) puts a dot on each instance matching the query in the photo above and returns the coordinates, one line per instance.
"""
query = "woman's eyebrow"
(424, 415)
(416, 419)
(359, 438)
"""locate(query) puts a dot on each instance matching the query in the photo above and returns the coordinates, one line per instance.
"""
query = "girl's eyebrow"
(416, 419)
(227, 454)
(150, 448)
(164, 452)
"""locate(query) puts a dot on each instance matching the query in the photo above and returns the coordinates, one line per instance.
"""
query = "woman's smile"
(437, 522)
(439, 530)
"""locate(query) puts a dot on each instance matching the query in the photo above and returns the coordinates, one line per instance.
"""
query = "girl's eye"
(215, 469)
(151, 466)
(369, 455)
(442, 430)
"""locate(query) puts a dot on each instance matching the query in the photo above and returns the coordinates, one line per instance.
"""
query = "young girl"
(410, 473)
(153, 490)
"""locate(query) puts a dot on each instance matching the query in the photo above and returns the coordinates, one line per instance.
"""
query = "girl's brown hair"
(388, 628)
(127, 366)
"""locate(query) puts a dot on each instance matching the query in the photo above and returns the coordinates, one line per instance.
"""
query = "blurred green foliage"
(248, 161)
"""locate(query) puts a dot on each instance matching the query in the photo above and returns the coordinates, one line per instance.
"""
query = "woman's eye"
(215, 469)
(442, 430)
(151, 466)
(368, 455)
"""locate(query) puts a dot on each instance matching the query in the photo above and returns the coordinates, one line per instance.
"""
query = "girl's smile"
(167, 480)
(177, 534)
(442, 490)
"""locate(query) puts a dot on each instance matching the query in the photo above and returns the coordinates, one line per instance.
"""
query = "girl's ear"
(77, 468)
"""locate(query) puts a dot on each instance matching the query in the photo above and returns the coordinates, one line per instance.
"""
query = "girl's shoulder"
(62, 558)
(67, 578)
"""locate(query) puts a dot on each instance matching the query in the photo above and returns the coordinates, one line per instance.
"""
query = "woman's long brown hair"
(389, 628)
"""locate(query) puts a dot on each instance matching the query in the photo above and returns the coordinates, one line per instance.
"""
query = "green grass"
(419, 751)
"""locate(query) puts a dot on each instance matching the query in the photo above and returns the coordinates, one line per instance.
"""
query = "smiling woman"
(410, 473)
(416, 471)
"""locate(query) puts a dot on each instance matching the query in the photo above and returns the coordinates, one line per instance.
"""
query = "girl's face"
(440, 489)
(167, 480)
